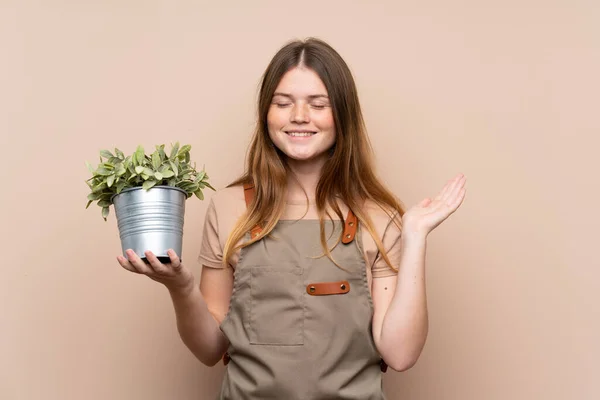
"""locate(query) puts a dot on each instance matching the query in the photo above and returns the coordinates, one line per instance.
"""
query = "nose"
(300, 114)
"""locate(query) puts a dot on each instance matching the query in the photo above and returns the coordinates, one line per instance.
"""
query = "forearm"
(405, 325)
(197, 327)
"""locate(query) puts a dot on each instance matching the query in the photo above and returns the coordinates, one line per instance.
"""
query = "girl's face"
(300, 119)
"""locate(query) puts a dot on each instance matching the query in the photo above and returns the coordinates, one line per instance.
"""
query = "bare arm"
(400, 321)
(198, 317)
(200, 313)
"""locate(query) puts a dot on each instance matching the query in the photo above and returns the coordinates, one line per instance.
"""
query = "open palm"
(429, 213)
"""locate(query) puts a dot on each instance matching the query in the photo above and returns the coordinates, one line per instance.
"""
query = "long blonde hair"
(347, 176)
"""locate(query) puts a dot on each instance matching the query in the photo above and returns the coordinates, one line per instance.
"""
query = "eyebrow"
(312, 96)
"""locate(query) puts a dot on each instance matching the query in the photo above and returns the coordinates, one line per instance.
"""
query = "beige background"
(504, 91)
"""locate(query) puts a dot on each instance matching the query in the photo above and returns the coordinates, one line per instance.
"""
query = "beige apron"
(299, 327)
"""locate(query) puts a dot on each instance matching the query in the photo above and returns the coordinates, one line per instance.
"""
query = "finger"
(460, 184)
(175, 260)
(442, 193)
(155, 264)
(137, 263)
(447, 188)
(459, 199)
(453, 185)
(455, 202)
(126, 264)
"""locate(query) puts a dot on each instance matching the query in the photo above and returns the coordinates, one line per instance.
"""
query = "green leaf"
(104, 203)
(88, 204)
(120, 169)
(102, 170)
(106, 154)
(140, 156)
(106, 195)
(89, 167)
(200, 176)
(174, 150)
(199, 194)
(168, 174)
(189, 187)
(185, 149)
(93, 196)
(110, 180)
(148, 171)
(158, 176)
(156, 160)
(174, 168)
(101, 186)
(105, 211)
(120, 186)
(209, 186)
(119, 154)
(161, 152)
(148, 184)
(139, 153)
(139, 169)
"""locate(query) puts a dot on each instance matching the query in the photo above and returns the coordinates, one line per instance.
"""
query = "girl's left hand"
(429, 213)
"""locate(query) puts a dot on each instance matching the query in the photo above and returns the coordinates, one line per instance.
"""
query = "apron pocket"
(276, 309)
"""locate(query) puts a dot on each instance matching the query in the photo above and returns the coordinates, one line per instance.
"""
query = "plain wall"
(503, 91)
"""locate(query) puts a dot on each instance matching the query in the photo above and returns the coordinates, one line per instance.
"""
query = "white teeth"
(300, 133)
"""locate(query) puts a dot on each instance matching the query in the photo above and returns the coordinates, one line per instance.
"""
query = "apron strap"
(349, 226)
(249, 196)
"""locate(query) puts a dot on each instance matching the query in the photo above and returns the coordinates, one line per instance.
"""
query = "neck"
(305, 177)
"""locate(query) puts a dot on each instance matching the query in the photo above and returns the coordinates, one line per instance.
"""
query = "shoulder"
(225, 207)
(228, 200)
(386, 226)
(381, 216)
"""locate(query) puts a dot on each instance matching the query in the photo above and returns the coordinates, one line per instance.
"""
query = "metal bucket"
(151, 220)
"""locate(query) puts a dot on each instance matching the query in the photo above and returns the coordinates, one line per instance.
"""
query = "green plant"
(117, 172)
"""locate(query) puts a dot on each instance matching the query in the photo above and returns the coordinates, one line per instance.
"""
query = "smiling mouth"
(300, 133)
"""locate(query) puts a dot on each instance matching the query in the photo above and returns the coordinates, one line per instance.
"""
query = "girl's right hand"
(174, 275)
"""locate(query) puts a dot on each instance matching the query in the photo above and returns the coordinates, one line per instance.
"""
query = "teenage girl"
(313, 277)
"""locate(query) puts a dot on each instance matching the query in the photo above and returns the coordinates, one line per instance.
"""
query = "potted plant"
(148, 192)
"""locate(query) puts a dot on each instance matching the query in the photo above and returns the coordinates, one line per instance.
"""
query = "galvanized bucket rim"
(153, 187)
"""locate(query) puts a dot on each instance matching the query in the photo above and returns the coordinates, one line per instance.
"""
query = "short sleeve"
(391, 244)
(211, 252)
